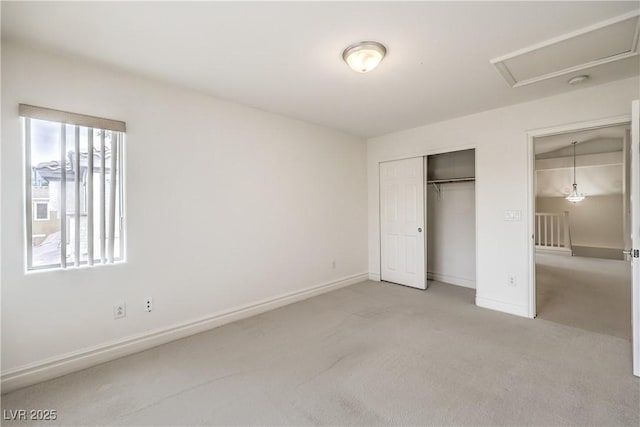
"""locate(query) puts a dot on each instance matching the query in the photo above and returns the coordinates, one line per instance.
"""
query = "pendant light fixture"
(364, 56)
(575, 197)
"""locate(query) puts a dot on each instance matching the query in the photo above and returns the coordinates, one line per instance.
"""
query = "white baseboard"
(70, 362)
(374, 276)
(459, 281)
(505, 307)
(553, 251)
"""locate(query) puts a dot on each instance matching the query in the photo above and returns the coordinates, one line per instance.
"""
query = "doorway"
(427, 220)
(633, 200)
(581, 213)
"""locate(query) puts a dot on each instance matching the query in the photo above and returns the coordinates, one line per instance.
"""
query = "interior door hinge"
(636, 253)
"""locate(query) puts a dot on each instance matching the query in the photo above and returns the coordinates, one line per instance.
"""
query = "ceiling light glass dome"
(364, 56)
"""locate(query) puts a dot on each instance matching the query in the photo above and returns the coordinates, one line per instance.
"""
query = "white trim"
(506, 74)
(74, 361)
(452, 280)
(422, 153)
(569, 70)
(580, 126)
(505, 307)
(475, 217)
(28, 193)
(374, 276)
(635, 233)
(531, 189)
(553, 250)
(122, 178)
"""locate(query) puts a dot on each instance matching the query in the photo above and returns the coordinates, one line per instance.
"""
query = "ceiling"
(592, 141)
(597, 174)
(286, 57)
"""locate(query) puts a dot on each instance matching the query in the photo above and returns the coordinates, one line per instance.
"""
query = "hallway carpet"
(368, 354)
(587, 293)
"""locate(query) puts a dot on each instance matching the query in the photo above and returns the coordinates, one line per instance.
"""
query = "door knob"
(419, 230)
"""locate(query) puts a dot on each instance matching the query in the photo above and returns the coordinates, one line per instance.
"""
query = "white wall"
(500, 138)
(451, 234)
(597, 221)
(227, 205)
(596, 174)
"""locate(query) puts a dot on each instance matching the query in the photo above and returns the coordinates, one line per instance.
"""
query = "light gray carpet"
(368, 354)
(587, 293)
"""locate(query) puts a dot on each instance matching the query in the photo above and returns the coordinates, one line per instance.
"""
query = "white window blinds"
(74, 163)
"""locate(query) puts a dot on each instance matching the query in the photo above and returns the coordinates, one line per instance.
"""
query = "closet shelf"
(444, 181)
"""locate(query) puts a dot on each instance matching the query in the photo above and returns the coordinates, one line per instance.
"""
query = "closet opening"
(428, 220)
(451, 218)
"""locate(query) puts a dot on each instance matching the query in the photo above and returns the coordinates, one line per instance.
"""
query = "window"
(40, 211)
(74, 189)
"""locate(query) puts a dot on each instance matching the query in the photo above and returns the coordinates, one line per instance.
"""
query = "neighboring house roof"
(51, 171)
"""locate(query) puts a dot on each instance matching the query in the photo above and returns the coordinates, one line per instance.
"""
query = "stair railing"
(553, 231)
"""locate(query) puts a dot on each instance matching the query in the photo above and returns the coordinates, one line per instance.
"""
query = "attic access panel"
(607, 41)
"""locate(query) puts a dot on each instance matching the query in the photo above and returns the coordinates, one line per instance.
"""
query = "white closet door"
(402, 216)
(635, 232)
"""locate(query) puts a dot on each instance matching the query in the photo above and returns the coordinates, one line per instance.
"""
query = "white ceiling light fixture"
(575, 197)
(364, 56)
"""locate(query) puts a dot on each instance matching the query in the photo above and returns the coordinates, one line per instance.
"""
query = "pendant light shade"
(575, 196)
(364, 56)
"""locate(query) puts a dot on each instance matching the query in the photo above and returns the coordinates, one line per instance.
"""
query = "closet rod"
(444, 181)
(435, 182)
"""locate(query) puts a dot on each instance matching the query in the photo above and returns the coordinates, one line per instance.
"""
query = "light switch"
(512, 215)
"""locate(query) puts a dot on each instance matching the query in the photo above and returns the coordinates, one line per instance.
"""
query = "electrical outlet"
(511, 280)
(119, 310)
(148, 304)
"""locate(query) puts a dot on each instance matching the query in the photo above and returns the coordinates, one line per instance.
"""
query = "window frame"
(103, 258)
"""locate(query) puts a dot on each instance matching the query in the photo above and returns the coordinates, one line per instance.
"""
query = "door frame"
(531, 188)
(424, 154)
